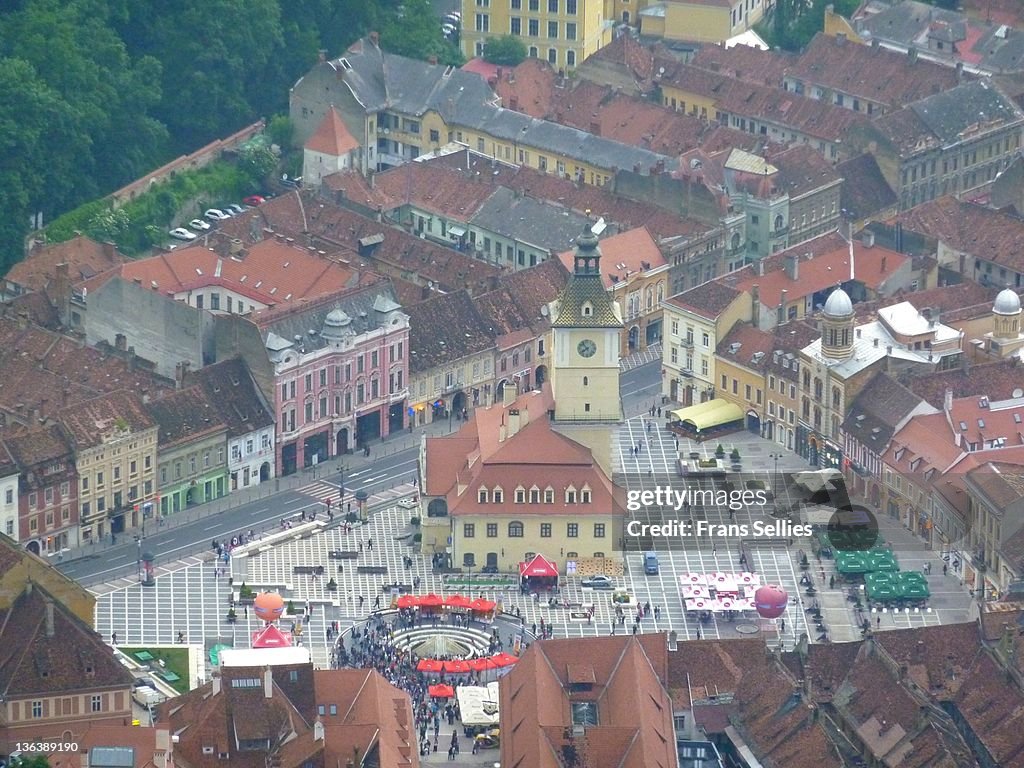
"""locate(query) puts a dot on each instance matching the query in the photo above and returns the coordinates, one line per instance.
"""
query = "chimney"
(793, 266)
(868, 238)
(595, 126)
(508, 395)
(62, 290)
(760, 267)
(49, 618)
(912, 53)
(236, 246)
(120, 342)
(885, 262)
(947, 400)
(375, 39)
(513, 422)
(268, 683)
(755, 305)
(216, 683)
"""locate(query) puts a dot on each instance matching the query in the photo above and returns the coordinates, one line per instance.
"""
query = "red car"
(254, 200)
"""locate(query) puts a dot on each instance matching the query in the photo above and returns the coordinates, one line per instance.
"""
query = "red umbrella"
(482, 606)
(481, 665)
(407, 601)
(457, 666)
(430, 665)
(458, 601)
(431, 601)
(441, 691)
(504, 659)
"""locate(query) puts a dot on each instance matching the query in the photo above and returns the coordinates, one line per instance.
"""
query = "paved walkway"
(642, 357)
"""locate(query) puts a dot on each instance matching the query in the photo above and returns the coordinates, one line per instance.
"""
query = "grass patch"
(175, 660)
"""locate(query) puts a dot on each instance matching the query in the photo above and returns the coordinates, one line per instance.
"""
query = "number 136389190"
(46, 747)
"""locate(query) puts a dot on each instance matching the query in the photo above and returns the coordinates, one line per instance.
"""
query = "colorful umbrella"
(407, 601)
(504, 659)
(482, 606)
(458, 601)
(430, 665)
(431, 601)
(441, 691)
(457, 666)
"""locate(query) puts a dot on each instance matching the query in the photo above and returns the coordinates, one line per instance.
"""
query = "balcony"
(686, 372)
(686, 342)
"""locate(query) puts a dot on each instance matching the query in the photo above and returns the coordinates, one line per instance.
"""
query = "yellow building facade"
(562, 32)
(700, 21)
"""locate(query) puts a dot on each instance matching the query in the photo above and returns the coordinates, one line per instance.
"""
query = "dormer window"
(585, 495)
(535, 495)
(481, 496)
(549, 495)
(587, 309)
(914, 465)
(570, 495)
(520, 495)
(498, 495)
(898, 453)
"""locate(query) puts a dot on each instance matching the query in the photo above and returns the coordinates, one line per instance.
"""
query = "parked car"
(199, 225)
(234, 208)
(489, 740)
(598, 582)
(254, 200)
(455, 17)
(180, 233)
(215, 214)
(447, 29)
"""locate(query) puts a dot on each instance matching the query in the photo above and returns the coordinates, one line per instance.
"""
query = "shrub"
(290, 610)
(735, 455)
(417, 537)
(414, 522)
(720, 450)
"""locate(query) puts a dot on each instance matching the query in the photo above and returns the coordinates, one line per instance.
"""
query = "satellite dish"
(544, 310)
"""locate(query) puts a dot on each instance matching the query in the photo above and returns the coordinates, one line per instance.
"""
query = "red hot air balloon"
(770, 601)
(268, 606)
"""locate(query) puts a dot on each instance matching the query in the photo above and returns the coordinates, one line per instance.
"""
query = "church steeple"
(585, 302)
(837, 326)
(587, 260)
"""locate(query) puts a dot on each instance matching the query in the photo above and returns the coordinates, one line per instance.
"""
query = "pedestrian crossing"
(643, 357)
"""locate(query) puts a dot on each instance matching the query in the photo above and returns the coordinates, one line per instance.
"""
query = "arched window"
(481, 496)
(835, 397)
(661, 291)
(515, 530)
(818, 388)
(735, 240)
(779, 222)
(586, 381)
(650, 298)
(549, 495)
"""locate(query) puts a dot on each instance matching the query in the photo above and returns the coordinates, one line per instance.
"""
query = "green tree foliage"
(279, 131)
(794, 23)
(413, 29)
(95, 93)
(506, 50)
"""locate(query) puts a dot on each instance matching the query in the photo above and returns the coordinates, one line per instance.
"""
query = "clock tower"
(586, 328)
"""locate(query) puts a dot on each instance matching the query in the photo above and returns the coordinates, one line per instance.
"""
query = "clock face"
(586, 348)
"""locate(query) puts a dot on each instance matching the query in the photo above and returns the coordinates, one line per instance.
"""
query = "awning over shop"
(712, 413)
(456, 231)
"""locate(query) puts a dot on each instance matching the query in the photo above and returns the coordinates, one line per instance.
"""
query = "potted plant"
(332, 585)
(720, 451)
(417, 537)
(291, 608)
(232, 616)
(735, 455)
(414, 521)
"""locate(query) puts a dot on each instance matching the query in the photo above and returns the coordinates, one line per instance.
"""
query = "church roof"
(332, 137)
(586, 288)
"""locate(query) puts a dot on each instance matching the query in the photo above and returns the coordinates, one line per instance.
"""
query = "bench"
(342, 554)
(144, 656)
(372, 569)
(308, 570)
(403, 589)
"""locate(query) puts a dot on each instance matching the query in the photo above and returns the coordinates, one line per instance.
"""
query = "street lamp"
(775, 457)
(138, 559)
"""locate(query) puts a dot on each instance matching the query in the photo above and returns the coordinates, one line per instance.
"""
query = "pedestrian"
(782, 625)
(659, 411)
(360, 547)
(878, 621)
(376, 603)
(369, 544)
(945, 570)
(832, 581)
(361, 598)
(113, 637)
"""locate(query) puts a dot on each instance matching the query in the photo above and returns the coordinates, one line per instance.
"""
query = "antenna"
(852, 270)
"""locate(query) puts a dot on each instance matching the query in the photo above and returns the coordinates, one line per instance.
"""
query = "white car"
(180, 233)
(235, 208)
(215, 215)
(199, 225)
(447, 29)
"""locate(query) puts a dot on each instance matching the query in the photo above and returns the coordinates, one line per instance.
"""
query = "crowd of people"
(373, 646)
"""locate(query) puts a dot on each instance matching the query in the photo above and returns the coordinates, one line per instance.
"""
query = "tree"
(506, 50)
(257, 162)
(279, 131)
(415, 31)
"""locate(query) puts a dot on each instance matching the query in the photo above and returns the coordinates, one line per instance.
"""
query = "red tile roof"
(707, 300)
(995, 711)
(996, 380)
(84, 256)
(271, 271)
(745, 62)
(88, 423)
(624, 254)
(528, 88)
(979, 232)
(877, 74)
(331, 136)
(828, 264)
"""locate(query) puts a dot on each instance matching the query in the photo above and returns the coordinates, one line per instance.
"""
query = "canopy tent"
(882, 560)
(481, 665)
(504, 659)
(215, 654)
(482, 606)
(712, 413)
(431, 601)
(914, 585)
(432, 666)
(270, 637)
(848, 563)
(458, 601)
(441, 691)
(407, 601)
(539, 567)
(457, 667)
